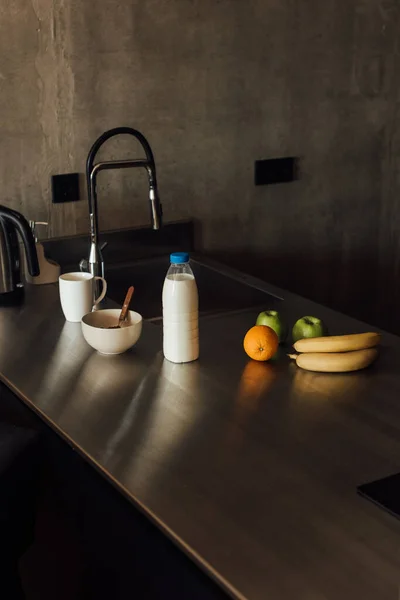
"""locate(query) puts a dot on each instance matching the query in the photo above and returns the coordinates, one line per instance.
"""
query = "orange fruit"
(260, 342)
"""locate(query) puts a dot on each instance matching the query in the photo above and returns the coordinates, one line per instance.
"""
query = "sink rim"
(247, 281)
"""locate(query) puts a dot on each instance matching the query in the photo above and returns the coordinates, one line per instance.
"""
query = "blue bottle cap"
(179, 257)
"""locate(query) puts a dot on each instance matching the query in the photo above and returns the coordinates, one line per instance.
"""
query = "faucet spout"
(96, 262)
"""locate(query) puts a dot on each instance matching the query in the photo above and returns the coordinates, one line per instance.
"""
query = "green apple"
(308, 327)
(273, 319)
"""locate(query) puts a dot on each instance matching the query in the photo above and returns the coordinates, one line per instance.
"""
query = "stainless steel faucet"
(95, 264)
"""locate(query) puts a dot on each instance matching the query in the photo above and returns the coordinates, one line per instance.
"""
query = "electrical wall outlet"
(275, 170)
(65, 188)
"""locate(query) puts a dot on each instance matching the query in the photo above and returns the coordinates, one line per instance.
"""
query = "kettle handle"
(23, 228)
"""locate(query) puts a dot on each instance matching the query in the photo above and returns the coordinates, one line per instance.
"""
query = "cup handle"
(103, 291)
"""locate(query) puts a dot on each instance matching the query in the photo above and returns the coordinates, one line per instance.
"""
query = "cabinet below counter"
(73, 534)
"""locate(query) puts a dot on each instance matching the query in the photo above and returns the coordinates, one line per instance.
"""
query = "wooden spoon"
(125, 308)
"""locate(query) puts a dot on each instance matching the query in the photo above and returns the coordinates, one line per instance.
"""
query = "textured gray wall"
(215, 84)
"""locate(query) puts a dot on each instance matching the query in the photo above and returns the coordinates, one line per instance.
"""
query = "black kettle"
(11, 286)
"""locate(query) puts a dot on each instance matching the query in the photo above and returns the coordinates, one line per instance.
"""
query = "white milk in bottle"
(180, 311)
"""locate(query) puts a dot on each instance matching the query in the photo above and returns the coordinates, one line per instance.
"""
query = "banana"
(338, 343)
(338, 362)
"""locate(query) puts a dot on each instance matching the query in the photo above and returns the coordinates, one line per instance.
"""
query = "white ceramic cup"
(76, 294)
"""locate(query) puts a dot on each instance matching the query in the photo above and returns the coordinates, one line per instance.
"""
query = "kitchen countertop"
(250, 468)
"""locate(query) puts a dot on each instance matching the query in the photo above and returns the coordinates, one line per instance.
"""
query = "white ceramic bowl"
(111, 341)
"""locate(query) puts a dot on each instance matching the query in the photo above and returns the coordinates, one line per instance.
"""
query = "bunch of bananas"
(337, 353)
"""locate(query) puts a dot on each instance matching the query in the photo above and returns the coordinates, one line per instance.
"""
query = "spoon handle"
(125, 305)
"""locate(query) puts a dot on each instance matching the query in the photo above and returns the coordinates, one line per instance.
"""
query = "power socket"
(275, 170)
(65, 188)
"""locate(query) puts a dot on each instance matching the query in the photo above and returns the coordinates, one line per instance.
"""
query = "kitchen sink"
(218, 292)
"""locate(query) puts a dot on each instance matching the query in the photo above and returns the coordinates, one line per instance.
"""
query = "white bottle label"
(180, 318)
(180, 295)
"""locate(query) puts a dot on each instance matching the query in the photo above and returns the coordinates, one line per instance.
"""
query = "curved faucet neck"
(91, 174)
(112, 133)
(96, 147)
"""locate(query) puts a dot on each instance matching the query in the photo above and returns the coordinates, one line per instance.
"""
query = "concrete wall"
(215, 84)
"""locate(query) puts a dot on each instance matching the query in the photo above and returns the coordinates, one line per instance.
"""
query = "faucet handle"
(84, 263)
